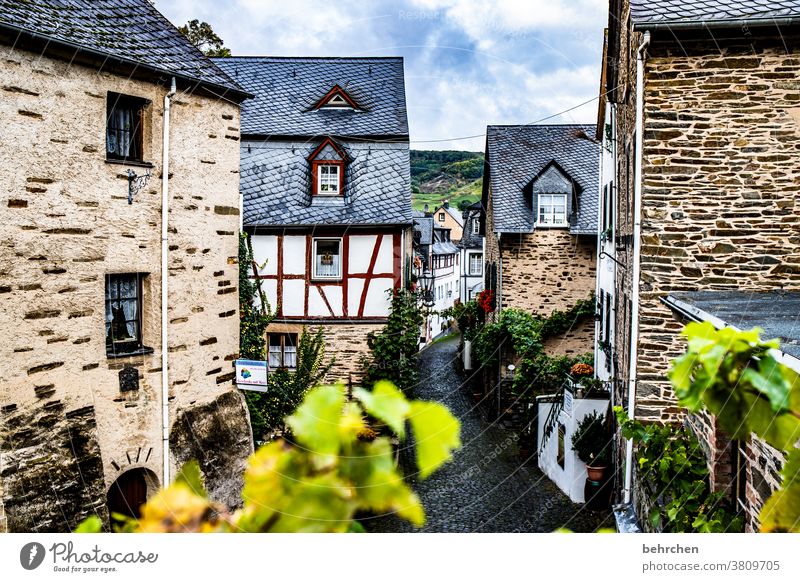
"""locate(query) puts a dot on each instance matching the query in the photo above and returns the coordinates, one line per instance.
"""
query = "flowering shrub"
(581, 369)
(486, 300)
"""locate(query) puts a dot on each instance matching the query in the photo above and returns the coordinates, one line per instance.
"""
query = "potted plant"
(592, 444)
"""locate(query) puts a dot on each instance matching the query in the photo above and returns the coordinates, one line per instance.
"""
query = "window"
(124, 314)
(441, 217)
(327, 258)
(328, 179)
(476, 226)
(475, 264)
(552, 209)
(282, 352)
(124, 122)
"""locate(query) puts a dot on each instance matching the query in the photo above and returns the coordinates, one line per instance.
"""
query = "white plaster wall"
(334, 295)
(265, 254)
(294, 256)
(385, 261)
(378, 302)
(354, 289)
(360, 253)
(294, 296)
(571, 479)
(316, 305)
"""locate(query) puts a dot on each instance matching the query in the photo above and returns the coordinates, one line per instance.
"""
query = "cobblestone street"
(487, 487)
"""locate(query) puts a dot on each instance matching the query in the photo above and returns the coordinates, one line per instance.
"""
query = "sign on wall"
(251, 375)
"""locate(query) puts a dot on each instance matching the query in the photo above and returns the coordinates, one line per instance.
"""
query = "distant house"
(120, 181)
(704, 197)
(471, 253)
(326, 189)
(540, 195)
(445, 216)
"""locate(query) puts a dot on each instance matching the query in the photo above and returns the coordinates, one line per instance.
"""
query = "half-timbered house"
(325, 179)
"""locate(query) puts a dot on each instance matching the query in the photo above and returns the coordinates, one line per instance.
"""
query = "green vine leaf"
(387, 404)
(316, 422)
(437, 434)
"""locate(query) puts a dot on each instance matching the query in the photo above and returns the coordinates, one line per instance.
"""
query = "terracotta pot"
(595, 473)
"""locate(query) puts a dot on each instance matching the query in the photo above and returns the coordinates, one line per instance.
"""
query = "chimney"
(425, 208)
(446, 204)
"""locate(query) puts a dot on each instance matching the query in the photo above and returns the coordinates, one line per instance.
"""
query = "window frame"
(476, 226)
(469, 264)
(539, 205)
(313, 267)
(283, 337)
(316, 175)
(116, 101)
(137, 346)
(442, 217)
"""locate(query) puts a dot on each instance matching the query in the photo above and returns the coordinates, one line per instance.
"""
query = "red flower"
(486, 300)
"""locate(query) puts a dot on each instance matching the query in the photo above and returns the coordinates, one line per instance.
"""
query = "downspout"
(637, 233)
(164, 291)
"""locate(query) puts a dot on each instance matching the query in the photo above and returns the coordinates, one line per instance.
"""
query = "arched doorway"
(129, 492)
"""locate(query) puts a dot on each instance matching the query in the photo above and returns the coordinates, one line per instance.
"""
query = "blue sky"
(468, 63)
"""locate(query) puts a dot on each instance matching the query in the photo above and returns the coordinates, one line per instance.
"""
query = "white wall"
(571, 478)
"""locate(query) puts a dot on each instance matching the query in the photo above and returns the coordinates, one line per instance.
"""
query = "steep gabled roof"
(517, 154)
(424, 226)
(130, 33)
(703, 13)
(287, 91)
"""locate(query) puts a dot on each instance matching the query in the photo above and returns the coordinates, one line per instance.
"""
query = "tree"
(394, 350)
(201, 35)
(323, 478)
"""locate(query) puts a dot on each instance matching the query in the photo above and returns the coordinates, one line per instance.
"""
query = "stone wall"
(68, 224)
(347, 344)
(575, 342)
(547, 270)
(718, 207)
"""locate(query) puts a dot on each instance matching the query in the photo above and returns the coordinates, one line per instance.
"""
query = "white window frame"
(540, 206)
(476, 226)
(469, 264)
(316, 276)
(334, 184)
(441, 217)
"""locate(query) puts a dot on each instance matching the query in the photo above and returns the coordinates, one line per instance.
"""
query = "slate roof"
(776, 312)
(469, 240)
(286, 89)
(131, 32)
(276, 185)
(708, 12)
(424, 226)
(444, 248)
(518, 153)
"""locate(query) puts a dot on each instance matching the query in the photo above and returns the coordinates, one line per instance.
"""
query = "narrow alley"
(487, 487)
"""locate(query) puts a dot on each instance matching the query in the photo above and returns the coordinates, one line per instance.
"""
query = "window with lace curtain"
(124, 314)
(124, 125)
(282, 350)
(327, 258)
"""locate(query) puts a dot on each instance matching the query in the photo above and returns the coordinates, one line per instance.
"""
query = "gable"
(328, 151)
(552, 181)
(336, 98)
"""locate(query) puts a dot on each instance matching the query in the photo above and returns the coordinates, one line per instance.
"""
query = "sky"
(468, 63)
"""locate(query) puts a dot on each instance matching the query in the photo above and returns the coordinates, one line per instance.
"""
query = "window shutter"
(535, 202)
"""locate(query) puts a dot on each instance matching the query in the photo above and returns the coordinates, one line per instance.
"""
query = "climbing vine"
(734, 375)
(393, 351)
(671, 463)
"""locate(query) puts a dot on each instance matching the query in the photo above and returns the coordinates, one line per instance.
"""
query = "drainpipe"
(637, 234)
(164, 275)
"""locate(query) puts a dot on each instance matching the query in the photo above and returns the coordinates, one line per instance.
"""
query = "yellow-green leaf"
(437, 434)
(91, 524)
(192, 477)
(387, 404)
(315, 423)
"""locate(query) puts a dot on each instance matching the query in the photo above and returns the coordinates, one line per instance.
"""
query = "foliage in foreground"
(319, 482)
(735, 376)
(671, 462)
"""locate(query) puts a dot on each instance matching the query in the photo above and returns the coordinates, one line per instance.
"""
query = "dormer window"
(336, 98)
(552, 210)
(327, 169)
(328, 179)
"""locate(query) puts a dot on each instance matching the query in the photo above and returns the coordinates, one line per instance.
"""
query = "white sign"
(567, 408)
(251, 375)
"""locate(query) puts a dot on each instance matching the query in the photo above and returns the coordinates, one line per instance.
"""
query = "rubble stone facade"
(67, 431)
(719, 211)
